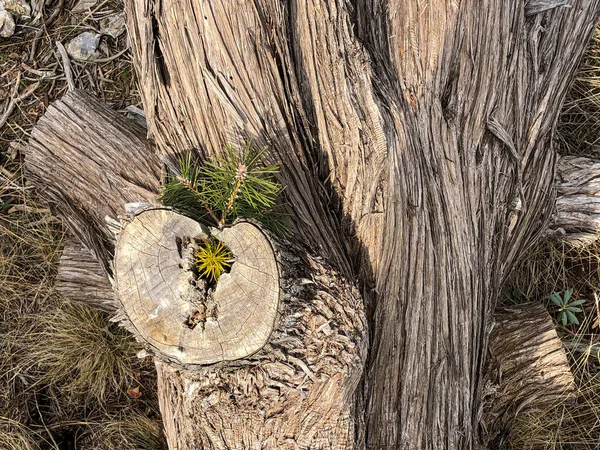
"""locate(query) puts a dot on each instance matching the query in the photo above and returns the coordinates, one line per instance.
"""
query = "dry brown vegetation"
(69, 378)
(555, 266)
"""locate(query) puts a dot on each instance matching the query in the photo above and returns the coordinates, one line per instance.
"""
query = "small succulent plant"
(566, 308)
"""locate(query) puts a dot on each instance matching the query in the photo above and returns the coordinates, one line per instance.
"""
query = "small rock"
(19, 8)
(113, 25)
(7, 24)
(84, 46)
(83, 6)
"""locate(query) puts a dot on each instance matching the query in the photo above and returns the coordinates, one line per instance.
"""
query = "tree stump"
(177, 313)
(526, 370)
(405, 139)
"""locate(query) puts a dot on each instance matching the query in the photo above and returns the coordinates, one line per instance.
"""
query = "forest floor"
(70, 379)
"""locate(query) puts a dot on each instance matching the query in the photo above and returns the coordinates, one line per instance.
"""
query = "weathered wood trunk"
(577, 216)
(416, 149)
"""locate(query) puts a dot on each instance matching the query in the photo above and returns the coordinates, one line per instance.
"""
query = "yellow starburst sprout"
(212, 259)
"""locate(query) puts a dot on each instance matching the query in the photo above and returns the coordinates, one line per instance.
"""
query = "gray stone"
(84, 46)
(113, 25)
(7, 24)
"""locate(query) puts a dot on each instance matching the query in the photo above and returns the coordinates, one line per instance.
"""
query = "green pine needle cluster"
(216, 193)
(212, 259)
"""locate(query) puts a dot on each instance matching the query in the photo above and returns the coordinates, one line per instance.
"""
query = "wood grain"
(81, 278)
(89, 161)
(577, 215)
(527, 368)
(159, 294)
(406, 130)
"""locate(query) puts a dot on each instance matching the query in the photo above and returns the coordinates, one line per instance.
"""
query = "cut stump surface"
(182, 317)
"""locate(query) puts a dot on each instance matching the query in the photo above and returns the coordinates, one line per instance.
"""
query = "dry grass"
(580, 119)
(128, 432)
(78, 351)
(553, 266)
(66, 372)
(15, 436)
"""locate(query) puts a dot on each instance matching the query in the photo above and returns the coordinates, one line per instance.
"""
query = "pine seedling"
(216, 193)
(212, 259)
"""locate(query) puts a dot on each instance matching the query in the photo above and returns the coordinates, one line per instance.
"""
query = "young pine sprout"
(216, 193)
(212, 259)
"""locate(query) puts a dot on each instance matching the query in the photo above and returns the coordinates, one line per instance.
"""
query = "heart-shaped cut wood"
(177, 314)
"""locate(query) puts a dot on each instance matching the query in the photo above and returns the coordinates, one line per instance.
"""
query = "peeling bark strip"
(533, 7)
(89, 161)
(577, 217)
(178, 314)
(378, 111)
(527, 368)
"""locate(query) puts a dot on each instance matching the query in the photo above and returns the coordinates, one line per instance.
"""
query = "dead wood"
(427, 129)
(526, 370)
(89, 161)
(296, 392)
(577, 215)
(416, 151)
(82, 278)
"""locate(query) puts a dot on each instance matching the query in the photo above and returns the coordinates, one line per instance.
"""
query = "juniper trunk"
(415, 140)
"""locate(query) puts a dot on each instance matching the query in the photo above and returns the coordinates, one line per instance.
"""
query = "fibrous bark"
(577, 216)
(300, 388)
(85, 158)
(296, 392)
(420, 123)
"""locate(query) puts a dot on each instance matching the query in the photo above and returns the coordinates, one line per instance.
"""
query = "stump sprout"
(217, 193)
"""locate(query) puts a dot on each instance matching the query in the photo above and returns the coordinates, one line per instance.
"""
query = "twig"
(10, 103)
(241, 174)
(14, 99)
(110, 58)
(192, 189)
(580, 347)
(597, 321)
(28, 209)
(66, 65)
(38, 33)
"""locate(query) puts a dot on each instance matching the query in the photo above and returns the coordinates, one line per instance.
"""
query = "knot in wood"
(183, 318)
